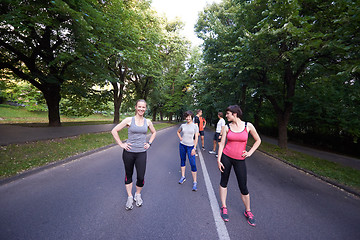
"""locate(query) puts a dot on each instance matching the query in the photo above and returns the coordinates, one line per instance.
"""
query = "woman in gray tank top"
(134, 153)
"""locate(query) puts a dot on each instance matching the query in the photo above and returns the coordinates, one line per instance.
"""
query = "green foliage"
(263, 52)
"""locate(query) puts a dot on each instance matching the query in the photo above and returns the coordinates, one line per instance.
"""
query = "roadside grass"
(333, 171)
(19, 115)
(16, 158)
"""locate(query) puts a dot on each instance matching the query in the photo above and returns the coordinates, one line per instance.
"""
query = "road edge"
(57, 163)
(327, 180)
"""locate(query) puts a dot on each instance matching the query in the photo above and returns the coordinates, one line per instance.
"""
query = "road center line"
(220, 224)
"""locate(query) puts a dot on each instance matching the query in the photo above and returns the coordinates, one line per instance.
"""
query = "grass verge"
(333, 171)
(19, 115)
(16, 158)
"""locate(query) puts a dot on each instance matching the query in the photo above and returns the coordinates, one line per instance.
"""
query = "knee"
(140, 182)
(128, 180)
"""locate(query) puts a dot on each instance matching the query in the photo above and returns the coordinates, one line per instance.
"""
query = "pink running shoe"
(224, 214)
(250, 218)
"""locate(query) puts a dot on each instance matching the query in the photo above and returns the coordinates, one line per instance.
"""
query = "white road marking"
(220, 224)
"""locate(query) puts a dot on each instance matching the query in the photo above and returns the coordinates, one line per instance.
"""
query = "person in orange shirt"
(201, 122)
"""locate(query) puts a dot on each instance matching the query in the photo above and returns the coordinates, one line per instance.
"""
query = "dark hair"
(221, 114)
(140, 100)
(187, 113)
(235, 109)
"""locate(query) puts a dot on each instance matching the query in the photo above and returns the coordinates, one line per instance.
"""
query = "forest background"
(292, 66)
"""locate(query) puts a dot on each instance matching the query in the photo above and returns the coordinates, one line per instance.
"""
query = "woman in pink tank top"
(234, 155)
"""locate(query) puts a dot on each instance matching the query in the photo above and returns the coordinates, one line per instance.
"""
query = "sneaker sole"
(128, 208)
(225, 220)
(251, 224)
(182, 181)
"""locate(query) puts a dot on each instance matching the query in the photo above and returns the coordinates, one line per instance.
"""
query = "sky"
(187, 10)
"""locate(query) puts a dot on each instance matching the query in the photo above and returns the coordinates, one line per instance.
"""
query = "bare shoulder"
(250, 126)
(149, 122)
(127, 121)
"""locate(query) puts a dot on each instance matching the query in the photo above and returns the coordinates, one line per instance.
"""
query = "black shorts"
(216, 137)
(201, 133)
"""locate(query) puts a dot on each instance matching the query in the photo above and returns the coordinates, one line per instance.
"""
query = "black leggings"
(139, 160)
(240, 172)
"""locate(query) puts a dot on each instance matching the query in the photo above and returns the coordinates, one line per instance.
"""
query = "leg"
(202, 141)
(129, 189)
(182, 151)
(214, 146)
(194, 176)
(224, 178)
(129, 162)
(192, 161)
(223, 194)
(241, 175)
(246, 201)
(140, 164)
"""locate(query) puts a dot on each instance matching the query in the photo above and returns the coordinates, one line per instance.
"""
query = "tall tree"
(275, 43)
(40, 41)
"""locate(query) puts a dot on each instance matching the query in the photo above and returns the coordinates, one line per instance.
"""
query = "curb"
(27, 173)
(35, 170)
(329, 181)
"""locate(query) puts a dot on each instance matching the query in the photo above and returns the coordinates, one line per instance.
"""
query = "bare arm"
(257, 142)
(224, 131)
(115, 133)
(193, 151)
(178, 133)
(153, 134)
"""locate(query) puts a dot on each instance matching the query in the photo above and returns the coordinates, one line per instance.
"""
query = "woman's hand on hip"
(126, 146)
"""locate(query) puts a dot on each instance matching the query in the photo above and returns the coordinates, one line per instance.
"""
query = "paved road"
(18, 134)
(84, 199)
(10, 134)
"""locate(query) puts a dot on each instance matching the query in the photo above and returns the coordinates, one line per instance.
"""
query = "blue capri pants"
(186, 150)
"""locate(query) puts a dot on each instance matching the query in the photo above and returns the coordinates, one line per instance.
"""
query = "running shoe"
(203, 148)
(216, 155)
(182, 180)
(129, 203)
(250, 218)
(212, 152)
(224, 214)
(194, 187)
(138, 200)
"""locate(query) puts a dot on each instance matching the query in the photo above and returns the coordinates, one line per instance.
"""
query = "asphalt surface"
(12, 134)
(85, 199)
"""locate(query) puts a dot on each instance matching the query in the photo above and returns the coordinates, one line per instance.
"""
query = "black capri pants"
(240, 172)
(137, 159)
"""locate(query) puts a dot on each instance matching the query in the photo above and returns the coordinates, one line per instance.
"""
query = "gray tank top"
(137, 136)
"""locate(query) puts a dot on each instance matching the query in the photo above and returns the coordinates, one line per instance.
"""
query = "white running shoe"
(129, 203)
(212, 152)
(138, 200)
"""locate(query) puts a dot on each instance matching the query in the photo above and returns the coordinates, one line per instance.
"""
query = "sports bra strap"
(227, 124)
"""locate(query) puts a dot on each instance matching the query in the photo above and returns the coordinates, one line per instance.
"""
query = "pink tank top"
(236, 144)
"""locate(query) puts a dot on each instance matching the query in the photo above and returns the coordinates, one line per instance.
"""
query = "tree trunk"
(257, 115)
(154, 111)
(282, 130)
(52, 98)
(118, 96)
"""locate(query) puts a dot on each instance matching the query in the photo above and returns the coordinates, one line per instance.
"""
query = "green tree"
(274, 44)
(40, 42)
